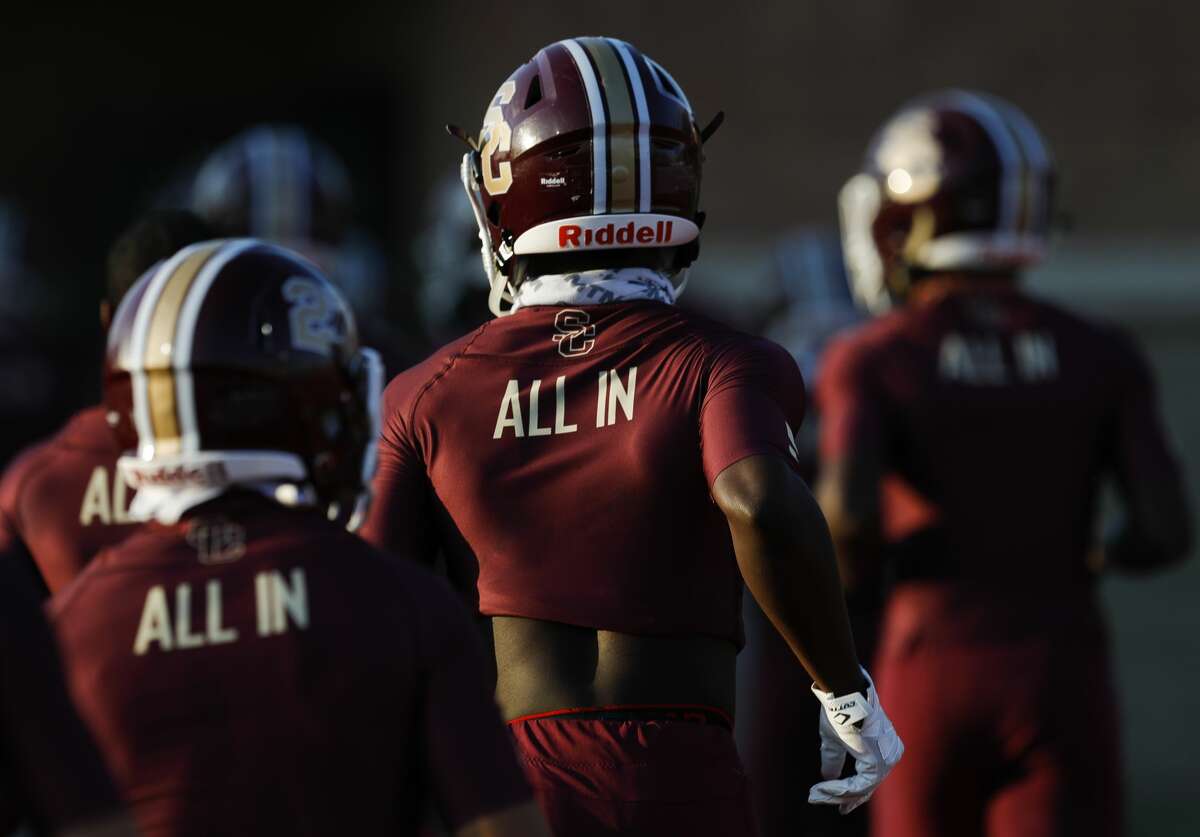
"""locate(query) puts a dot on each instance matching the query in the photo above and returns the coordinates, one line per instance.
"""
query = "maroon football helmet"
(954, 181)
(236, 362)
(590, 146)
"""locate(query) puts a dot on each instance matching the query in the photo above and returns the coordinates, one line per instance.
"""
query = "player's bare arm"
(787, 560)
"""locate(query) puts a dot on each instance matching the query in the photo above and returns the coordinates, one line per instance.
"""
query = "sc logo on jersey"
(576, 336)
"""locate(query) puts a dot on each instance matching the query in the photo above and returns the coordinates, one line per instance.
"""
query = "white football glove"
(854, 725)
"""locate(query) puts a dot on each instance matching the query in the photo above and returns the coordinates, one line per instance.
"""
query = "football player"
(964, 440)
(597, 465)
(246, 664)
(61, 501)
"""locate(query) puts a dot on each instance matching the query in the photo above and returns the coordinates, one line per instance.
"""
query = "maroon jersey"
(256, 670)
(61, 501)
(995, 415)
(570, 453)
(50, 770)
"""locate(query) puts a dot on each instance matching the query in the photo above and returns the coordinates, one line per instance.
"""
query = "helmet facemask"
(502, 291)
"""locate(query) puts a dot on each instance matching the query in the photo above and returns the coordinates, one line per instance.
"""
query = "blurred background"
(110, 113)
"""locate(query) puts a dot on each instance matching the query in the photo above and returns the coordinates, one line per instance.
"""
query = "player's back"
(566, 447)
(63, 501)
(257, 670)
(999, 416)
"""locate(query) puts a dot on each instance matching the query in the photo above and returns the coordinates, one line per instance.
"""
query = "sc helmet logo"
(575, 335)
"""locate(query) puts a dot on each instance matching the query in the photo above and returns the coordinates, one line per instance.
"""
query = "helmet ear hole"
(493, 213)
(535, 92)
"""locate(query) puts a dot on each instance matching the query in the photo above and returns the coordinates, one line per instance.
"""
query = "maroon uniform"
(50, 770)
(995, 416)
(62, 501)
(568, 454)
(258, 670)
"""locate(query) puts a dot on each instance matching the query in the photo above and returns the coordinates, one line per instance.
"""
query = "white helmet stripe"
(1012, 163)
(643, 117)
(599, 133)
(185, 338)
(134, 361)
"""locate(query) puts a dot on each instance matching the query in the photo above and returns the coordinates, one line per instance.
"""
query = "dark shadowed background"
(102, 109)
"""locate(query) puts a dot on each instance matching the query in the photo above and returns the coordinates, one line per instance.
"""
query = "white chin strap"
(502, 291)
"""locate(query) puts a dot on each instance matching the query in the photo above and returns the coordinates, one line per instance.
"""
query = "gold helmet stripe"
(160, 345)
(622, 125)
(642, 111)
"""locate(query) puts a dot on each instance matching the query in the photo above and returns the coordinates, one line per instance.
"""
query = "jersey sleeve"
(754, 404)
(61, 778)
(470, 759)
(400, 518)
(848, 400)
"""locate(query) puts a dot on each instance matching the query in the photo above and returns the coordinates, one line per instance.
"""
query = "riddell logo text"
(204, 475)
(610, 235)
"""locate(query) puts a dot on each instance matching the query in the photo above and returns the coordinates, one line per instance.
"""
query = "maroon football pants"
(1004, 739)
(641, 778)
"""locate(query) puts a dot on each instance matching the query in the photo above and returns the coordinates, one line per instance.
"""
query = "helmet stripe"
(185, 339)
(1025, 173)
(1037, 158)
(599, 133)
(1024, 185)
(644, 189)
(132, 360)
(158, 345)
(1012, 163)
(622, 125)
